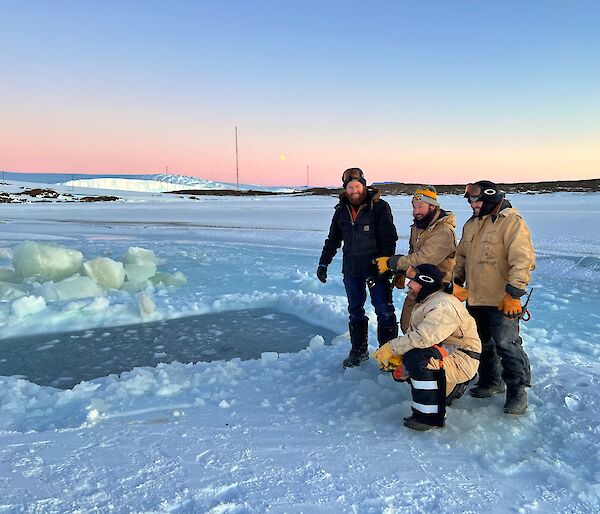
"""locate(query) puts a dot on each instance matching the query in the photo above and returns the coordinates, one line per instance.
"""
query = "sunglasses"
(475, 192)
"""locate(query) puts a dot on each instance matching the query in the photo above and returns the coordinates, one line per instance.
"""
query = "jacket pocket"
(490, 248)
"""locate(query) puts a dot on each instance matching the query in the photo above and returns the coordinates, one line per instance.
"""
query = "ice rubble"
(43, 273)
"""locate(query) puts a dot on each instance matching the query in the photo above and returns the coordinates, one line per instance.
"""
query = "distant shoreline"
(401, 188)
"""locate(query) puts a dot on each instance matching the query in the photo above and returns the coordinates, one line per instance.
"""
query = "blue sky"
(411, 91)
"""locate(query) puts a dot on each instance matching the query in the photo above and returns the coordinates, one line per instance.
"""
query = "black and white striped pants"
(428, 386)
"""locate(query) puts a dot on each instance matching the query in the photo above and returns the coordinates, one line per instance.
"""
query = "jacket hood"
(443, 217)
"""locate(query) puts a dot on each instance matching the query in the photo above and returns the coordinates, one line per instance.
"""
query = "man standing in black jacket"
(364, 223)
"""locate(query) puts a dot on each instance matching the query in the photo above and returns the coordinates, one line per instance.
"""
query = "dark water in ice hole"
(64, 360)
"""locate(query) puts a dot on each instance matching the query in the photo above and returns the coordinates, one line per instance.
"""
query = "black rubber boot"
(487, 391)
(386, 333)
(358, 338)
(456, 393)
(516, 400)
(415, 424)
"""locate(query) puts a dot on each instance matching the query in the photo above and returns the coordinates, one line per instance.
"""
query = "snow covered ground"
(293, 432)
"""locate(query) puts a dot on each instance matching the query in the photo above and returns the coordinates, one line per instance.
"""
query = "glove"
(511, 307)
(388, 360)
(460, 292)
(393, 261)
(400, 374)
(382, 264)
(399, 280)
(322, 273)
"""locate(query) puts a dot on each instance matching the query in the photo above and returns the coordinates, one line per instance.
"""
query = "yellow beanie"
(427, 194)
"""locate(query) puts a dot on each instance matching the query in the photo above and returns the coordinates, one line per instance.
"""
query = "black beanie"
(430, 278)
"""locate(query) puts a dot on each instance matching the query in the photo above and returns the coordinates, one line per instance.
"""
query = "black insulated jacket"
(371, 235)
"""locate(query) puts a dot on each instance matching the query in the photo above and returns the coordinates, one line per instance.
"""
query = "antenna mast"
(307, 180)
(237, 170)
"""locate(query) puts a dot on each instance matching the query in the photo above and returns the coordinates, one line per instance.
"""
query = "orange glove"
(400, 374)
(511, 306)
(460, 292)
(399, 280)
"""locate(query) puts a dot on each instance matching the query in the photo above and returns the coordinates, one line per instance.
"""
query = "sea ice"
(77, 287)
(10, 292)
(147, 306)
(108, 273)
(139, 272)
(48, 261)
(136, 255)
(176, 279)
(27, 305)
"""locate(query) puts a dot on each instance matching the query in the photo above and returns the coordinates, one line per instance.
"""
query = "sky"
(431, 92)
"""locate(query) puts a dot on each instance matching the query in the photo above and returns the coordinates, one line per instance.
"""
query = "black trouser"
(502, 355)
(428, 386)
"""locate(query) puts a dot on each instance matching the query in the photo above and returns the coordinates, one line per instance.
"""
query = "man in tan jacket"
(432, 240)
(440, 350)
(494, 260)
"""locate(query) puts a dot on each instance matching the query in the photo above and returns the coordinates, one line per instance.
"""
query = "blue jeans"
(381, 299)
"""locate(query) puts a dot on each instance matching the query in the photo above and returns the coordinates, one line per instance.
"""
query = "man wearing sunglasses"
(494, 260)
(439, 351)
(432, 240)
(363, 222)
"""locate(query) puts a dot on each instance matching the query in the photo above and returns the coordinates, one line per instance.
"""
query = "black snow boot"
(386, 333)
(487, 391)
(516, 400)
(360, 350)
(457, 392)
(415, 424)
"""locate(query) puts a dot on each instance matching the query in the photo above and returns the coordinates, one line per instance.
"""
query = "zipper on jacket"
(353, 220)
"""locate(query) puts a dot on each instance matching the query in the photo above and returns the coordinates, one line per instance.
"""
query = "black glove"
(393, 262)
(322, 273)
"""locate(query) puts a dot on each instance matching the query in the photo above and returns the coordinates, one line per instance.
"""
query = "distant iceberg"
(163, 183)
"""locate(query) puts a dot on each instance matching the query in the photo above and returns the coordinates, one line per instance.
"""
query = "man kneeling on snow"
(439, 352)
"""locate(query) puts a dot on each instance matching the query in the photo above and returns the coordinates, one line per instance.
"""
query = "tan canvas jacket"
(494, 251)
(440, 319)
(434, 245)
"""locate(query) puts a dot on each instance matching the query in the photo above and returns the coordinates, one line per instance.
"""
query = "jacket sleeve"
(440, 243)
(438, 324)
(461, 258)
(521, 258)
(386, 230)
(333, 241)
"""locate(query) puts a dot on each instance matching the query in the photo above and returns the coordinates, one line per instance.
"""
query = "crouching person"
(440, 351)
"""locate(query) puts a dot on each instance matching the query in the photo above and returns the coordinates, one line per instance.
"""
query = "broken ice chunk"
(77, 287)
(48, 261)
(108, 273)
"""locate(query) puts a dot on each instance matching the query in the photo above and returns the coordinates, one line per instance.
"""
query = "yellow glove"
(388, 360)
(460, 292)
(399, 280)
(382, 264)
(511, 306)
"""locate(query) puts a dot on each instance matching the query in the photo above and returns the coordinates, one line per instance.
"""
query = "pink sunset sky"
(435, 93)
